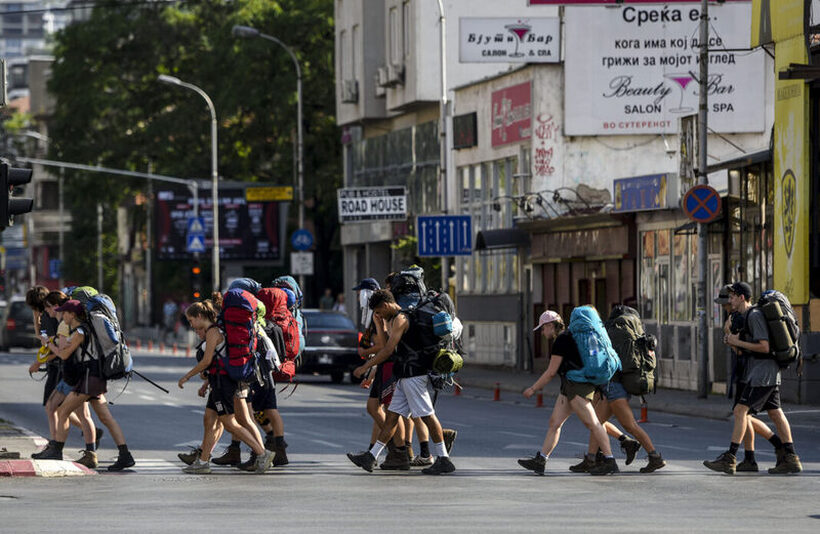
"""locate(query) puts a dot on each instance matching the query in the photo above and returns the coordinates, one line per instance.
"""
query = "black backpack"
(635, 348)
(784, 332)
(408, 287)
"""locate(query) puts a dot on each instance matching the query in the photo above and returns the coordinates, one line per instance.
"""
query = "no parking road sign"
(702, 204)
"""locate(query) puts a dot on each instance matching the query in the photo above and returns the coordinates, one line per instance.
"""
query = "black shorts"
(223, 391)
(739, 387)
(262, 398)
(376, 386)
(760, 399)
(52, 377)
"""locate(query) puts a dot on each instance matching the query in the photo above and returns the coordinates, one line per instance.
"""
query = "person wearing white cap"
(574, 397)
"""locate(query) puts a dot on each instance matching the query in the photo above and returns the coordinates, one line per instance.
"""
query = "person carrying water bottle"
(584, 359)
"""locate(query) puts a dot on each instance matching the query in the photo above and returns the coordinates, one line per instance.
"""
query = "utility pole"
(445, 264)
(99, 247)
(149, 250)
(703, 259)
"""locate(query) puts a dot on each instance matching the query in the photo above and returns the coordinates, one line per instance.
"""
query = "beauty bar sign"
(638, 75)
(509, 40)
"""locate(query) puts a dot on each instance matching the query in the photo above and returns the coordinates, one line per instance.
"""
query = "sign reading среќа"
(509, 40)
(372, 204)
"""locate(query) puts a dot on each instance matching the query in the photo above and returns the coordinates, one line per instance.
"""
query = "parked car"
(331, 346)
(17, 325)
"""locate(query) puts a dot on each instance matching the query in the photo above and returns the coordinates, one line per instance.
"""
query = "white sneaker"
(264, 462)
(198, 468)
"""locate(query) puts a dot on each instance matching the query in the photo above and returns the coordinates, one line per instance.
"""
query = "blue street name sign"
(301, 239)
(445, 235)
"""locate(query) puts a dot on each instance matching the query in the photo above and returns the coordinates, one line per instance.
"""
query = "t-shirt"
(761, 370)
(565, 346)
(48, 323)
(736, 322)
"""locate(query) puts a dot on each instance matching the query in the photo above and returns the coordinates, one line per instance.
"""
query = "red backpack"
(276, 306)
(237, 319)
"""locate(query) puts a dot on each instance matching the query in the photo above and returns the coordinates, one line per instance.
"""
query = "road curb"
(43, 468)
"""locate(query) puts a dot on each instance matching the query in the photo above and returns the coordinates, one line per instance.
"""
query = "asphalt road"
(322, 491)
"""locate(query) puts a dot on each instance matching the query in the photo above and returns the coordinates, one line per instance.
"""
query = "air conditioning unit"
(380, 89)
(395, 74)
(381, 77)
(350, 91)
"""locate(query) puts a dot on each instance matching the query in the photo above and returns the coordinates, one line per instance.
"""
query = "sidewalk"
(512, 383)
(16, 446)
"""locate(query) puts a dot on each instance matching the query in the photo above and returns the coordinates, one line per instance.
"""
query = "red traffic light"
(196, 270)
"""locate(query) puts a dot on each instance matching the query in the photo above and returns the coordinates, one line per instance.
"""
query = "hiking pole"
(151, 381)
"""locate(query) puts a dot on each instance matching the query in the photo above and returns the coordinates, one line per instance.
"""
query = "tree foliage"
(112, 111)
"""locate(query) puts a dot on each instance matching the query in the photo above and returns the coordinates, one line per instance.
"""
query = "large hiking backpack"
(784, 331)
(82, 293)
(599, 358)
(276, 302)
(635, 348)
(429, 341)
(247, 284)
(408, 287)
(107, 341)
(237, 320)
(296, 310)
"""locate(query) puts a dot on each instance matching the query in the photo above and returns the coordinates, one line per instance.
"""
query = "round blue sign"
(301, 239)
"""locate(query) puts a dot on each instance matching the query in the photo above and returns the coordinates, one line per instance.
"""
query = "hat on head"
(723, 295)
(368, 283)
(74, 306)
(547, 317)
(741, 288)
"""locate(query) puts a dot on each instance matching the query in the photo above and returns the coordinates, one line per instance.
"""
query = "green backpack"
(635, 348)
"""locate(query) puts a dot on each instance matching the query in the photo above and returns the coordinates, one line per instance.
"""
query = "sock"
(440, 450)
(424, 448)
(733, 448)
(279, 441)
(234, 443)
(622, 438)
(775, 441)
(123, 448)
(653, 453)
(748, 456)
(59, 445)
(90, 447)
(540, 454)
(789, 448)
(608, 457)
(377, 449)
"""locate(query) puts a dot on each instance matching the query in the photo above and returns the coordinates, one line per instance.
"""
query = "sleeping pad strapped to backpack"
(784, 332)
(635, 348)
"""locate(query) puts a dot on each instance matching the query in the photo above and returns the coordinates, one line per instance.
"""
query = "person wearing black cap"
(761, 390)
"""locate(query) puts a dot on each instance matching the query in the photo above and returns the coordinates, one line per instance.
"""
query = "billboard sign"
(372, 204)
(511, 118)
(509, 40)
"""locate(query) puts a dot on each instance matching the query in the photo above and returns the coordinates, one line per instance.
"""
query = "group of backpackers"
(251, 338)
(83, 347)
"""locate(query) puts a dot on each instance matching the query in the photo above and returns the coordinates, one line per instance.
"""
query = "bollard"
(539, 400)
(457, 390)
(187, 351)
(137, 344)
(497, 392)
(161, 346)
(644, 413)
(174, 349)
(150, 344)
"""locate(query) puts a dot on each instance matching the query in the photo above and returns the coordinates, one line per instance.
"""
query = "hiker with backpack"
(222, 399)
(762, 381)
(584, 359)
(412, 363)
(90, 388)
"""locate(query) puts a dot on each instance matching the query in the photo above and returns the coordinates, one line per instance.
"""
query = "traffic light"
(196, 281)
(11, 177)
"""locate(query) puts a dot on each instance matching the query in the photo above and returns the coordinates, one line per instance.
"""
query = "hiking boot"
(231, 456)
(396, 460)
(449, 438)
(124, 460)
(264, 462)
(281, 457)
(421, 461)
(270, 443)
(655, 462)
(365, 460)
(250, 465)
(779, 453)
(49, 453)
(607, 467)
(586, 464)
(190, 457)
(790, 464)
(98, 432)
(442, 466)
(537, 464)
(88, 459)
(630, 448)
(198, 468)
(725, 463)
(747, 467)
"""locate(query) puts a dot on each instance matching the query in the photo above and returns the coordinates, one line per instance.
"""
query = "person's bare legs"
(586, 413)
(560, 413)
(212, 432)
(242, 416)
(623, 413)
(101, 409)
(784, 430)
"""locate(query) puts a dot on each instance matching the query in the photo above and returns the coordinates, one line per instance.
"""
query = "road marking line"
(146, 397)
(517, 434)
(327, 443)
(518, 446)
(200, 412)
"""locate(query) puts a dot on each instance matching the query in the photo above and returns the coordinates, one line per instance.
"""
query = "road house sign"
(372, 204)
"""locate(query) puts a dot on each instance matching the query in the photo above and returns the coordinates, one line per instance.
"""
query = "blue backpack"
(288, 282)
(247, 284)
(599, 358)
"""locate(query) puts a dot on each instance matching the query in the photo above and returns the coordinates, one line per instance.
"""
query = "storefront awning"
(498, 239)
(743, 161)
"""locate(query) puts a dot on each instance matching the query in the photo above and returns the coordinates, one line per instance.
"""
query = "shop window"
(682, 290)
(647, 275)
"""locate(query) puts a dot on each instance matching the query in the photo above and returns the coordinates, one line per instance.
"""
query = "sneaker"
(607, 467)
(365, 460)
(250, 465)
(655, 462)
(396, 460)
(124, 460)
(190, 457)
(49, 453)
(725, 463)
(421, 461)
(231, 456)
(281, 457)
(88, 459)
(790, 464)
(747, 467)
(441, 466)
(264, 462)
(537, 464)
(449, 438)
(98, 432)
(630, 448)
(586, 464)
(198, 468)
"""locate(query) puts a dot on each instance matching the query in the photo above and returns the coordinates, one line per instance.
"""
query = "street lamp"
(247, 32)
(172, 80)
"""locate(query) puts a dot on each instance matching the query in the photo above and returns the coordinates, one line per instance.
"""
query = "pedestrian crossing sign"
(196, 243)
